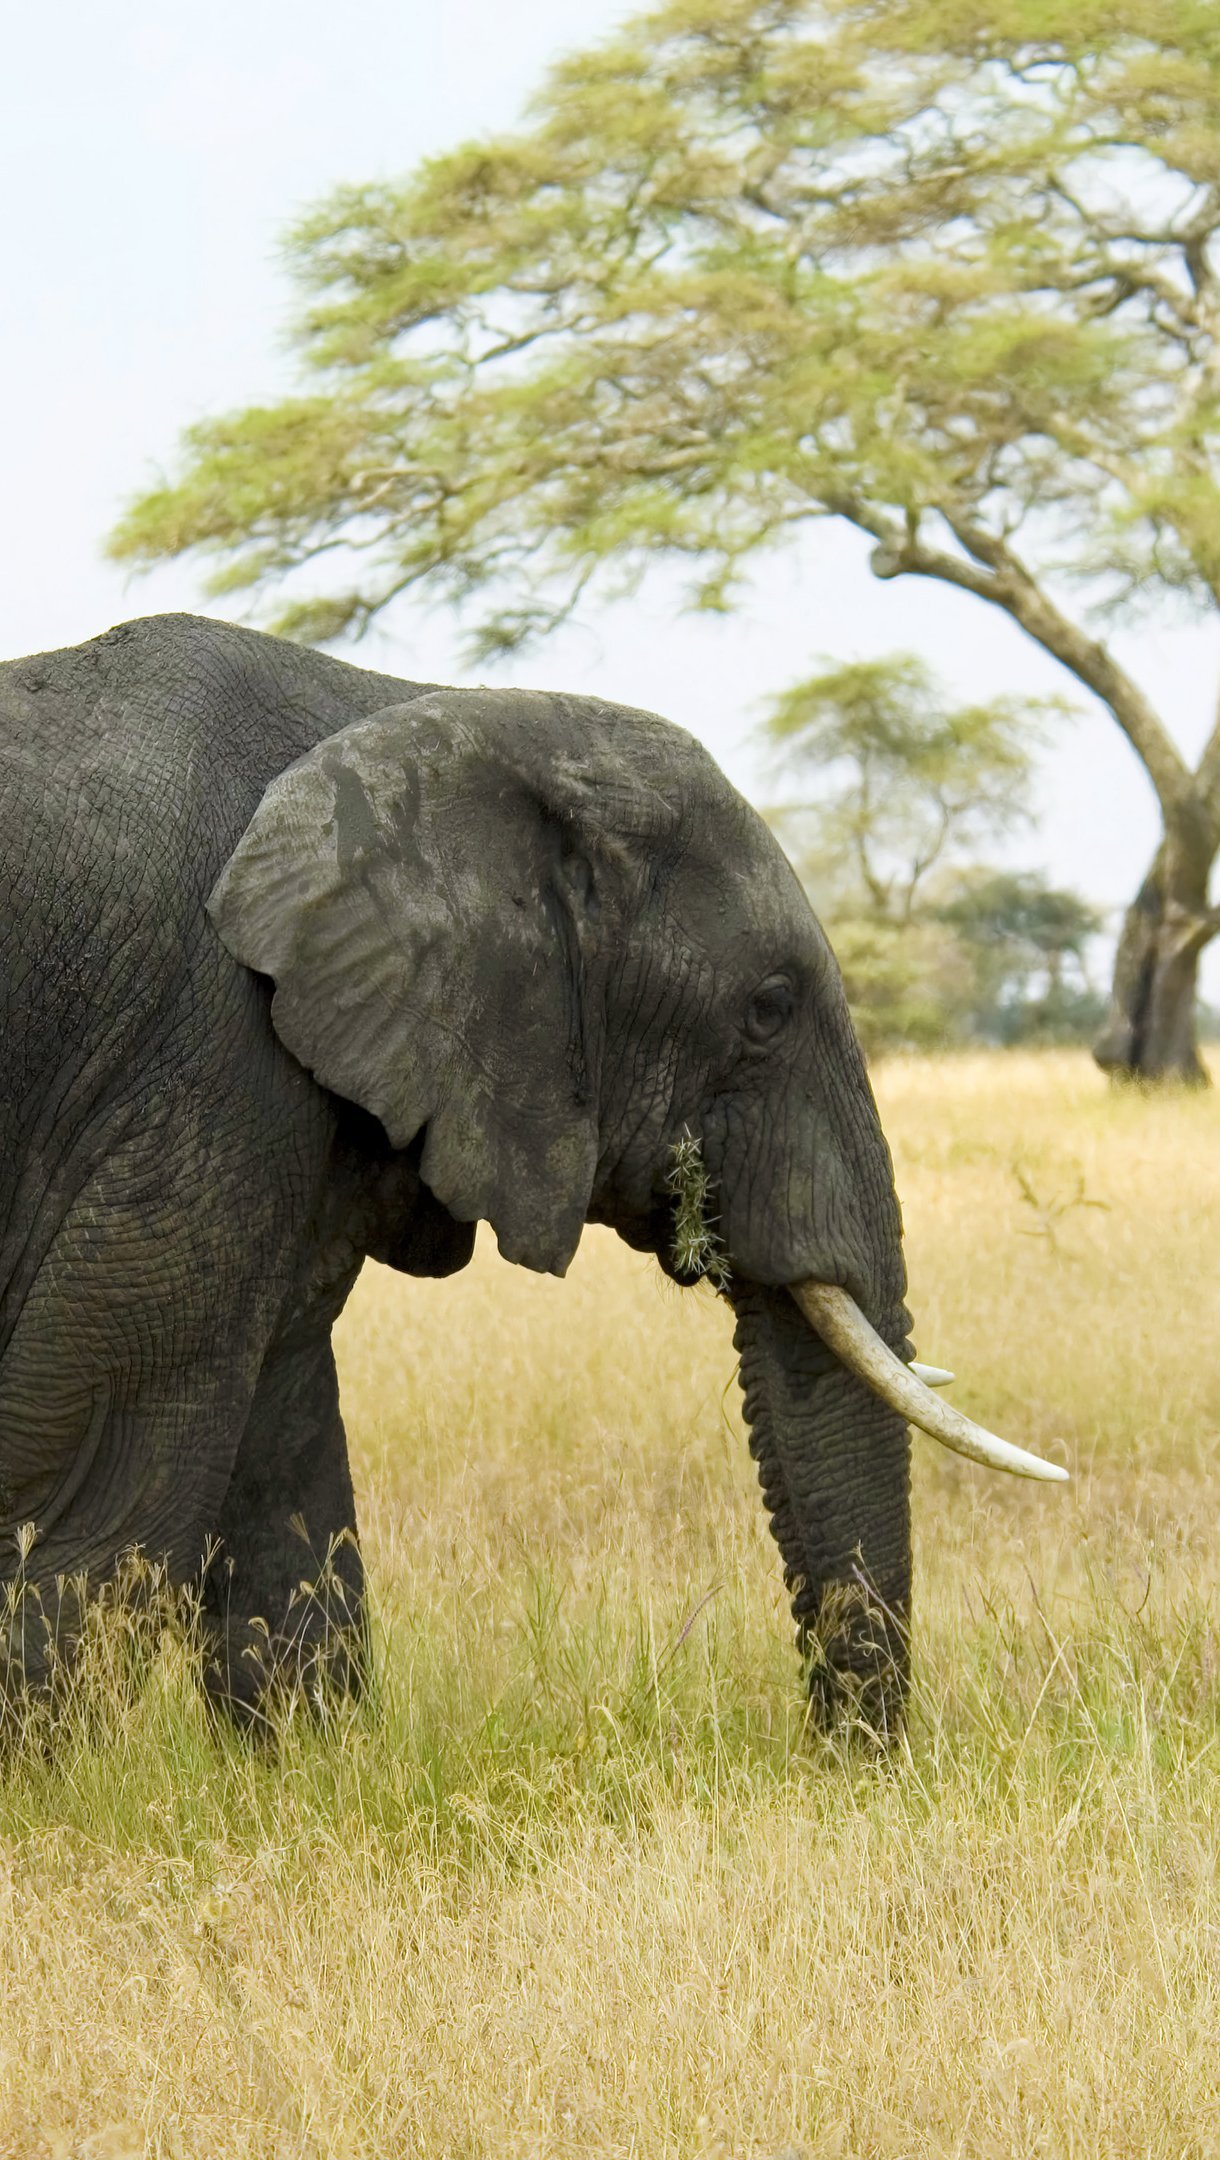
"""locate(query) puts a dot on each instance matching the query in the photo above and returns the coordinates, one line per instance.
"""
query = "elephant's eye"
(770, 1010)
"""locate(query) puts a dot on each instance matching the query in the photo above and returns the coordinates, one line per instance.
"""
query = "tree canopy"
(1028, 942)
(902, 780)
(890, 790)
(945, 269)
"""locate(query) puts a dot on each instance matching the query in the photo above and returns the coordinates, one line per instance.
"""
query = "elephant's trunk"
(834, 1465)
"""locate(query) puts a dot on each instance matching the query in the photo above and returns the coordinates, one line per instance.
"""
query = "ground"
(577, 1883)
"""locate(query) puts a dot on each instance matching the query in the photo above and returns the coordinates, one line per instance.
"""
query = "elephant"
(304, 964)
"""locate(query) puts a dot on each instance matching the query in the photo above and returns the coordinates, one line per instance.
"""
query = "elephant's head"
(545, 938)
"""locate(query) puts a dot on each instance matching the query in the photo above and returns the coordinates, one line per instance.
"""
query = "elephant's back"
(174, 721)
(129, 768)
(94, 928)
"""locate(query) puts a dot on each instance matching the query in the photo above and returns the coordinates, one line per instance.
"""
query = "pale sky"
(151, 154)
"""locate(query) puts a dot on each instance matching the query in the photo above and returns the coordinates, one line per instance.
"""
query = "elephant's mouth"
(836, 1317)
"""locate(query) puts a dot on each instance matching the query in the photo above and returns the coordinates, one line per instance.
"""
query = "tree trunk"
(1150, 1033)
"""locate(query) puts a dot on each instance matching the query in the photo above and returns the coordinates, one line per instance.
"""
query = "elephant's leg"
(283, 1596)
(125, 1389)
(84, 1640)
(119, 1520)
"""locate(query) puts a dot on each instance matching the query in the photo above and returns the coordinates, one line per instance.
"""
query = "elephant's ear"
(425, 889)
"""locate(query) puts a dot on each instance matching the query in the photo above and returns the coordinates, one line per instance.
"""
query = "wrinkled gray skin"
(302, 963)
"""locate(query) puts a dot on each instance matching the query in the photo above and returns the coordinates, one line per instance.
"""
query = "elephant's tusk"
(931, 1375)
(844, 1329)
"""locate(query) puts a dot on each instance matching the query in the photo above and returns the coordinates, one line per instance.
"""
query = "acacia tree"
(1029, 942)
(944, 269)
(889, 792)
(904, 780)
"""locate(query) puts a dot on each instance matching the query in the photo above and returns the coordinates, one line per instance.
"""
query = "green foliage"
(904, 779)
(946, 979)
(1028, 943)
(910, 985)
(1013, 909)
(697, 1249)
(898, 787)
(941, 269)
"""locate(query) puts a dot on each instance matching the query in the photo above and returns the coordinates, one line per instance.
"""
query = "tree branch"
(1207, 771)
(993, 572)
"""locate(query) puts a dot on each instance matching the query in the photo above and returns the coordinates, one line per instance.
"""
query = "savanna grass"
(576, 1879)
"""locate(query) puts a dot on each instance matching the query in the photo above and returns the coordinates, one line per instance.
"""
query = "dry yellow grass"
(577, 1883)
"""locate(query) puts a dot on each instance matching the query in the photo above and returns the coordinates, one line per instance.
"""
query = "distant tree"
(911, 986)
(892, 790)
(1029, 944)
(948, 270)
(898, 779)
